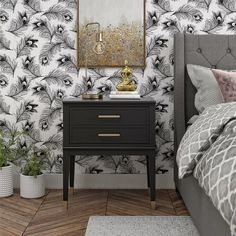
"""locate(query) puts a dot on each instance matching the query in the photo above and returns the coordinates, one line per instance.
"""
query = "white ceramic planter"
(6, 181)
(31, 187)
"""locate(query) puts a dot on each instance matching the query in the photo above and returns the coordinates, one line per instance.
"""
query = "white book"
(124, 92)
(124, 96)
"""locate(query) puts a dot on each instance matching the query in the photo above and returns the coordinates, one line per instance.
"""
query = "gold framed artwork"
(122, 23)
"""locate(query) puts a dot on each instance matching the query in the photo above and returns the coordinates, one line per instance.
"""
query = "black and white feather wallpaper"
(38, 69)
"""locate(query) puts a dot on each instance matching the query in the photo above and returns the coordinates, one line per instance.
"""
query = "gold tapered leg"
(66, 204)
(153, 205)
(72, 190)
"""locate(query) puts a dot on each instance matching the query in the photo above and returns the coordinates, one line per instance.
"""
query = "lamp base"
(92, 96)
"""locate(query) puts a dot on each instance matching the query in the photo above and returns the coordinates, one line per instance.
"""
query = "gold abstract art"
(124, 40)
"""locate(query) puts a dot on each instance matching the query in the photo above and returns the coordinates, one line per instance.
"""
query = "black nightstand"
(108, 127)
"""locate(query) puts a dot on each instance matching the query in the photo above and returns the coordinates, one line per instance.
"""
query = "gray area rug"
(141, 226)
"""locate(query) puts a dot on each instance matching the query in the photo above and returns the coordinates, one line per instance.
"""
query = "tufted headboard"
(213, 51)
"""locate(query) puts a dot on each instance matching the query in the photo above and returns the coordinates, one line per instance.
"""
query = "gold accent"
(66, 204)
(108, 135)
(72, 189)
(109, 116)
(126, 84)
(92, 96)
(153, 205)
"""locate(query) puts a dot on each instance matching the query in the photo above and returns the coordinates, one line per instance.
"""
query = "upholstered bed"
(214, 51)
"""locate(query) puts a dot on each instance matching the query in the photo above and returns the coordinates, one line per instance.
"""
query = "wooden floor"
(49, 217)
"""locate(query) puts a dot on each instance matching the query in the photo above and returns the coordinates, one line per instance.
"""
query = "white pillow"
(208, 90)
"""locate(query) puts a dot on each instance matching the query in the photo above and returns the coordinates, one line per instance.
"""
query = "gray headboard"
(214, 51)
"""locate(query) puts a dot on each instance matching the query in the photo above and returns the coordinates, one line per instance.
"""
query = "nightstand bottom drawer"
(103, 135)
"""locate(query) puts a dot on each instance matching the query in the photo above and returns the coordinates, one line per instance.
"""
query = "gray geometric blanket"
(216, 174)
(208, 150)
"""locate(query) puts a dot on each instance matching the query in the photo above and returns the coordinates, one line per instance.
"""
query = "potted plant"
(32, 183)
(8, 151)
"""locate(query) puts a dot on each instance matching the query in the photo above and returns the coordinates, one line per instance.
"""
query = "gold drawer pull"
(108, 135)
(109, 116)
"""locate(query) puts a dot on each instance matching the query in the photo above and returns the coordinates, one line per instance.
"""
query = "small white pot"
(6, 181)
(32, 187)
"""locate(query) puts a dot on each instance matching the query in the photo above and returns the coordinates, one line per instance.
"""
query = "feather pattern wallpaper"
(38, 69)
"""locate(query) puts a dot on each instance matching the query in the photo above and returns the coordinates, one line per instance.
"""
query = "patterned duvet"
(208, 151)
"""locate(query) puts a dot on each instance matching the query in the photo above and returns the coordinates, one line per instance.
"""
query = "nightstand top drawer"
(104, 115)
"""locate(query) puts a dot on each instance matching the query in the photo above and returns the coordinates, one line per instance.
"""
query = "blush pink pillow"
(227, 83)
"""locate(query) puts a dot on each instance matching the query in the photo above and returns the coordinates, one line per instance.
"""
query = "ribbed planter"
(32, 187)
(6, 181)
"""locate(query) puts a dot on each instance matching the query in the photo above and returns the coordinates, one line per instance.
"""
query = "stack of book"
(124, 95)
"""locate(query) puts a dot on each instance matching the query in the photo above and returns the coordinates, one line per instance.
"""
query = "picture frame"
(123, 32)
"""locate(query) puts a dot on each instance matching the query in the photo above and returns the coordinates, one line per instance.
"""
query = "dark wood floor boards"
(48, 216)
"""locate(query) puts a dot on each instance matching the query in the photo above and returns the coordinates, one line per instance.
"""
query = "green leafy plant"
(3, 156)
(33, 163)
(8, 148)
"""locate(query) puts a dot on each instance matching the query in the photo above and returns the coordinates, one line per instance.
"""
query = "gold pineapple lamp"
(126, 84)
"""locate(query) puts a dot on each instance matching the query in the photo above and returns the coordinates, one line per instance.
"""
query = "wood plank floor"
(48, 216)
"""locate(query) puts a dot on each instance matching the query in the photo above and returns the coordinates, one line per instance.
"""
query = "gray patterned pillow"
(199, 137)
(208, 90)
